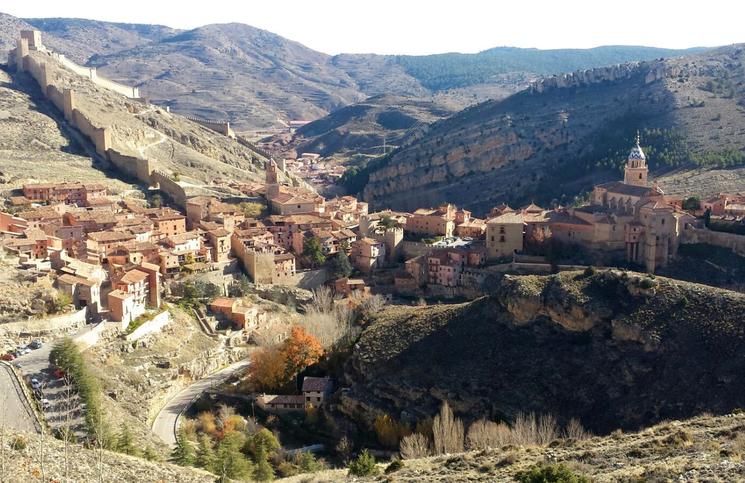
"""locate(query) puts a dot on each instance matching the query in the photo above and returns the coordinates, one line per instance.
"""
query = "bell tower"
(636, 171)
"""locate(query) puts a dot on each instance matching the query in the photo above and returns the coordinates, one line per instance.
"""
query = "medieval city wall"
(734, 242)
(133, 166)
(223, 127)
(169, 186)
(90, 73)
(100, 136)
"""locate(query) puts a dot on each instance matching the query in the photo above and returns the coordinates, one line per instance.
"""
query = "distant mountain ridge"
(257, 79)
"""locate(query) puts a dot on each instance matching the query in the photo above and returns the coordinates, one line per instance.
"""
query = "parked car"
(59, 373)
(35, 383)
(7, 356)
(37, 344)
(45, 403)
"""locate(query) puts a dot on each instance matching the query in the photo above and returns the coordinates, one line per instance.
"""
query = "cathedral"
(644, 221)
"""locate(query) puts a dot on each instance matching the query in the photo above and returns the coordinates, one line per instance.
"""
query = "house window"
(501, 239)
(663, 221)
(640, 176)
(501, 229)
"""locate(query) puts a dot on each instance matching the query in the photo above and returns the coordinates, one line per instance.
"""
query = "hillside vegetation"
(257, 79)
(608, 348)
(555, 143)
(704, 448)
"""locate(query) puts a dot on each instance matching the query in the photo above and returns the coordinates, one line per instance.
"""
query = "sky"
(434, 26)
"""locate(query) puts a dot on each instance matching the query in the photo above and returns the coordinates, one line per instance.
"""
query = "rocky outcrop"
(610, 348)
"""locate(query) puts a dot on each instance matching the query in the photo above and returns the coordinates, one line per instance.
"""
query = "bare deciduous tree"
(447, 431)
(483, 434)
(414, 446)
(575, 430)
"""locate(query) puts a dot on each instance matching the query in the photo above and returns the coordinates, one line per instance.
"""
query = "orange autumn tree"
(268, 369)
(301, 350)
(275, 368)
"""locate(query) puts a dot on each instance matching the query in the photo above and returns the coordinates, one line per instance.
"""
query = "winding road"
(166, 422)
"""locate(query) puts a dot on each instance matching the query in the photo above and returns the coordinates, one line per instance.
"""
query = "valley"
(226, 256)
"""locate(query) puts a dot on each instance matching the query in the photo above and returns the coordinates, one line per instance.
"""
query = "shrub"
(414, 446)
(308, 463)
(18, 443)
(363, 465)
(389, 431)
(394, 466)
(553, 473)
(483, 434)
(183, 453)
(575, 430)
(590, 271)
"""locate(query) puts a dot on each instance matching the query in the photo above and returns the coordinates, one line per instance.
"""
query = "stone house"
(504, 235)
(434, 222)
(367, 254)
(316, 390)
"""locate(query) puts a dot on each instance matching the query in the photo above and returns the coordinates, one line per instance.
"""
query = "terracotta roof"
(134, 276)
(223, 302)
(626, 189)
(316, 384)
(282, 399)
(119, 294)
(509, 217)
(110, 236)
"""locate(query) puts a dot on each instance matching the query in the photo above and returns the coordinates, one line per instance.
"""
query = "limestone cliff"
(567, 132)
(610, 348)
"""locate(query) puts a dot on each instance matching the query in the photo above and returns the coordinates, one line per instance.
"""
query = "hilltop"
(573, 131)
(364, 127)
(612, 349)
(260, 80)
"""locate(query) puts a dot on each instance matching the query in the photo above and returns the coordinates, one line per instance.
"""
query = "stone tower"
(272, 180)
(636, 171)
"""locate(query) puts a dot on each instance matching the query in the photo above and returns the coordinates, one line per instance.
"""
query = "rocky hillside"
(33, 458)
(35, 145)
(364, 127)
(573, 131)
(612, 349)
(704, 448)
(257, 79)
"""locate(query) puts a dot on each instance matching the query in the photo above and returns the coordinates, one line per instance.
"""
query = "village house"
(286, 200)
(504, 235)
(316, 390)
(281, 403)
(433, 222)
(73, 193)
(367, 254)
(344, 287)
(243, 316)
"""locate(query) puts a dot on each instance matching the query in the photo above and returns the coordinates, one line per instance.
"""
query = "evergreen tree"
(313, 251)
(263, 470)
(150, 454)
(183, 453)
(205, 452)
(340, 266)
(124, 441)
(230, 463)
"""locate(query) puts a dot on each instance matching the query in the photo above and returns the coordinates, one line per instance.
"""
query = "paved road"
(165, 422)
(15, 412)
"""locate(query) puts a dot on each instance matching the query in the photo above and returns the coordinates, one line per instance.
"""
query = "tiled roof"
(316, 384)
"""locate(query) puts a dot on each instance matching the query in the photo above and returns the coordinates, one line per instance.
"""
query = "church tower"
(272, 180)
(636, 171)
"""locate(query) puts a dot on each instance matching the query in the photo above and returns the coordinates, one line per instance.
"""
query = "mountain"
(571, 131)
(259, 80)
(366, 127)
(610, 348)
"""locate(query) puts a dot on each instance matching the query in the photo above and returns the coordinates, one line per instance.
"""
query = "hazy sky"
(424, 27)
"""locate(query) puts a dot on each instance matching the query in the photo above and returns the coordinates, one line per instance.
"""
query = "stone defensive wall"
(90, 73)
(223, 127)
(732, 241)
(132, 166)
